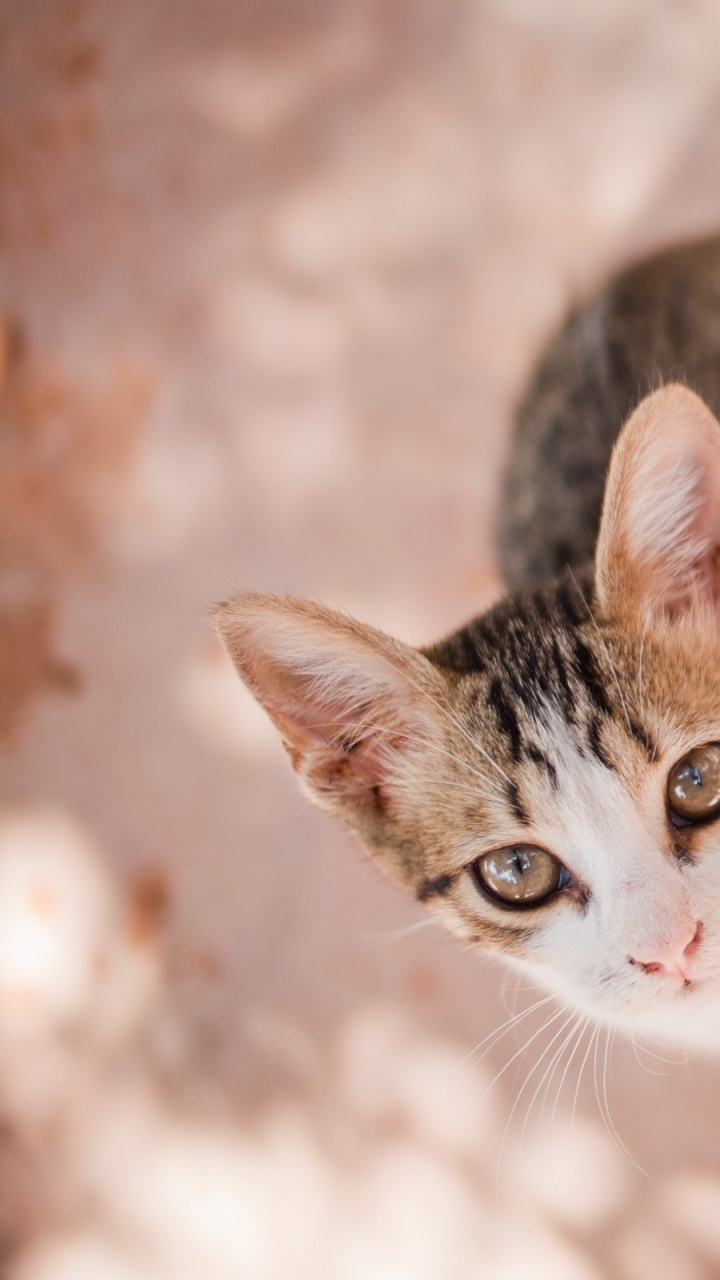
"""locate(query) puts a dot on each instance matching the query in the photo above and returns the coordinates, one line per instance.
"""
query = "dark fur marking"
(681, 842)
(436, 888)
(379, 800)
(469, 658)
(593, 735)
(646, 742)
(589, 672)
(497, 935)
(543, 609)
(461, 652)
(516, 804)
(572, 605)
(567, 696)
(506, 717)
(539, 758)
(684, 855)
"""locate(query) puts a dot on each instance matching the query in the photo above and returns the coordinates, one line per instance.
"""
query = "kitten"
(547, 778)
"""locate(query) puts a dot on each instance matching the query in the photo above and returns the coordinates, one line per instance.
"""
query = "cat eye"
(693, 787)
(522, 875)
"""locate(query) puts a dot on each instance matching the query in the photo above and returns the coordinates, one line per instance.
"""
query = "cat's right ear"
(658, 550)
(356, 710)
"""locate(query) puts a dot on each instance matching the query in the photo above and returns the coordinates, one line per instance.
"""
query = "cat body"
(547, 778)
(657, 322)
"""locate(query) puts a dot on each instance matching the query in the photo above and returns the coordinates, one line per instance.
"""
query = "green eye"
(521, 875)
(693, 787)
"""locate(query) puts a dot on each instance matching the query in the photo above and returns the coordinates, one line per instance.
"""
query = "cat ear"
(354, 708)
(658, 549)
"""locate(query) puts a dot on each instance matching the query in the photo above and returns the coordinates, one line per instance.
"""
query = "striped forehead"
(536, 662)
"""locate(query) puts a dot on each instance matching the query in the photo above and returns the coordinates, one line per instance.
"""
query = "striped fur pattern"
(550, 722)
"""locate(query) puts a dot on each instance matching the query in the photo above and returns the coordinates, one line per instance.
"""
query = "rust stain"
(422, 983)
(81, 63)
(208, 965)
(100, 964)
(64, 454)
(27, 662)
(149, 906)
(43, 901)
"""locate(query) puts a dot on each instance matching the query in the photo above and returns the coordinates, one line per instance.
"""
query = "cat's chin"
(691, 1023)
(683, 1016)
(686, 1017)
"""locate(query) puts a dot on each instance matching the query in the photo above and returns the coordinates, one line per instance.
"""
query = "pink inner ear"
(658, 547)
(359, 743)
(352, 705)
(708, 568)
(328, 730)
(688, 570)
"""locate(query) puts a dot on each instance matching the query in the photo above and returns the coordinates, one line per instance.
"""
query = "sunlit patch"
(175, 483)
(209, 1200)
(598, 18)
(410, 186)
(416, 1216)
(245, 96)
(570, 1168)
(254, 96)
(281, 333)
(391, 1173)
(64, 951)
(297, 448)
(212, 1188)
(388, 1067)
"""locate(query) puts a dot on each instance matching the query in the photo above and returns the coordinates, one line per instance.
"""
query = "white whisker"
(498, 1033)
(643, 1043)
(547, 1076)
(583, 1064)
(568, 1064)
(636, 1048)
(536, 1065)
(523, 1048)
(604, 1106)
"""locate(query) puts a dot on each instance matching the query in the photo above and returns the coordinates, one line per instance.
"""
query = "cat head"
(547, 779)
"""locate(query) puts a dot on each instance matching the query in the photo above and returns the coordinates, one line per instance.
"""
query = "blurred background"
(274, 273)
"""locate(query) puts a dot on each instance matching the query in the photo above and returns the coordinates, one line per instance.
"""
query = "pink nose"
(675, 958)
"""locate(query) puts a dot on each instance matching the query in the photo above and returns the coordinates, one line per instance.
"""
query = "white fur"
(615, 841)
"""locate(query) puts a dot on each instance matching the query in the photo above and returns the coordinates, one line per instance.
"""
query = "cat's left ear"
(658, 550)
(357, 711)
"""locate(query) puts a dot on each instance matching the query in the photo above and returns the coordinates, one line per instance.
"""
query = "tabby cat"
(547, 778)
